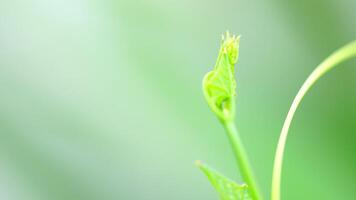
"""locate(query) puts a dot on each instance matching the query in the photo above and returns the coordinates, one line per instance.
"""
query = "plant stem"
(242, 160)
(332, 61)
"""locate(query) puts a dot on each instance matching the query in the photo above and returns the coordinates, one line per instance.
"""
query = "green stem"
(332, 61)
(241, 158)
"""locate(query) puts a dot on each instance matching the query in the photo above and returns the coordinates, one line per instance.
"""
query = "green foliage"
(227, 189)
(219, 85)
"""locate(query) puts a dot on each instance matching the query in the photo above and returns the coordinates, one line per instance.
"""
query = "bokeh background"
(102, 99)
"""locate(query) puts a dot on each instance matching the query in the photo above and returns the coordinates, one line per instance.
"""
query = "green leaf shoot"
(219, 85)
(219, 88)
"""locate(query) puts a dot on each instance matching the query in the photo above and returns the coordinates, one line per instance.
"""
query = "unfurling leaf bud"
(219, 85)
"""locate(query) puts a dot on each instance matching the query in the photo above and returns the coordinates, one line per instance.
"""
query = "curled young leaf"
(227, 189)
(219, 85)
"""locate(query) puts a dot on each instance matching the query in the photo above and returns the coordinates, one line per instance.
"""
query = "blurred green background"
(102, 99)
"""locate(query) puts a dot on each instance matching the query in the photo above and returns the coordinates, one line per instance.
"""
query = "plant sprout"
(219, 88)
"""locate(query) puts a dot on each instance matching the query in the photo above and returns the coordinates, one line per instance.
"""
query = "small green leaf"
(227, 189)
(219, 85)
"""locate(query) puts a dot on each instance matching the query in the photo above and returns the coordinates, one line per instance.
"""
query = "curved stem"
(332, 61)
(241, 158)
